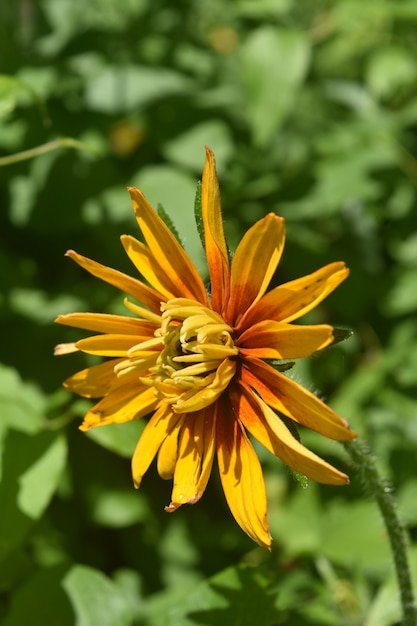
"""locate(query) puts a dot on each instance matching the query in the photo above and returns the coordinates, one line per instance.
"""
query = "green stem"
(61, 142)
(375, 485)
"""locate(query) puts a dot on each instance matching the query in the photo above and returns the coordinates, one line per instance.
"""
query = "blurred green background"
(311, 110)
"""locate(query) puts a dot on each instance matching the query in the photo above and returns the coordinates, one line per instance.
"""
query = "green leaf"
(186, 149)
(40, 600)
(122, 88)
(22, 405)
(237, 596)
(274, 64)
(26, 487)
(95, 598)
(117, 508)
(118, 438)
(39, 482)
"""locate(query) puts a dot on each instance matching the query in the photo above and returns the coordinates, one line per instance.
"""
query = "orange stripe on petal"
(271, 432)
(286, 396)
(141, 292)
(241, 477)
(294, 299)
(276, 340)
(254, 264)
(195, 458)
(123, 404)
(161, 424)
(104, 323)
(171, 257)
(214, 239)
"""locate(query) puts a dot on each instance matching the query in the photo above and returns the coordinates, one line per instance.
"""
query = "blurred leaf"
(402, 297)
(354, 536)
(9, 89)
(38, 306)
(39, 482)
(238, 596)
(274, 64)
(22, 405)
(186, 149)
(123, 88)
(390, 69)
(119, 438)
(118, 508)
(30, 457)
(95, 598)
(40, 600)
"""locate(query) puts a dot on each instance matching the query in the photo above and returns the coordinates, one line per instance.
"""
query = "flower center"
(195, 365)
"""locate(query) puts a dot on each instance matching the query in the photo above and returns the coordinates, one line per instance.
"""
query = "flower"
(198, 361)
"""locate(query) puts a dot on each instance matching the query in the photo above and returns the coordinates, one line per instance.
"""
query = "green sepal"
(340, 334)
(169, 223)
(280, 366)
(300, 478)
(198, 213)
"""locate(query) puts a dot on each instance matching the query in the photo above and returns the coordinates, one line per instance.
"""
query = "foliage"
(311, 110)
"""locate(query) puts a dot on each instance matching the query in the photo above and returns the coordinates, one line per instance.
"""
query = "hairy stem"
(375, 485)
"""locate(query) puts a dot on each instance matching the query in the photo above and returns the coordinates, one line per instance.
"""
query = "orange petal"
(276, 340)
(291, 300)
(112, 345)
(286, 396)
(104, 323)
(263, 424)
(161, 424)
(214, 239)
(241, 477)
(195, 458)
(141, 292)
(254, 264)
(95, 381)
(171, 257)
(123, 404)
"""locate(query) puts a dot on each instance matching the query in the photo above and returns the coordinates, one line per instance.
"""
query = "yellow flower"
(197, 361)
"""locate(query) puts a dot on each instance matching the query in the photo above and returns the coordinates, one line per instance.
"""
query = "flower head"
(198, 362)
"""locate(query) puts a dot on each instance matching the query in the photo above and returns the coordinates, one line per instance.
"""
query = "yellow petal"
(254, 264)
(95, 381)
(241, 477)
(172, 258)
(276, 340)
(294, 299)
(263, 424)
(168, 455)
(286, 396)
(214, 239)
(112, 345)
(195, 401)
(195, 458)
(147, 264)
(161, 424)
(123, 404)
(141, 292)
(104, 323)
